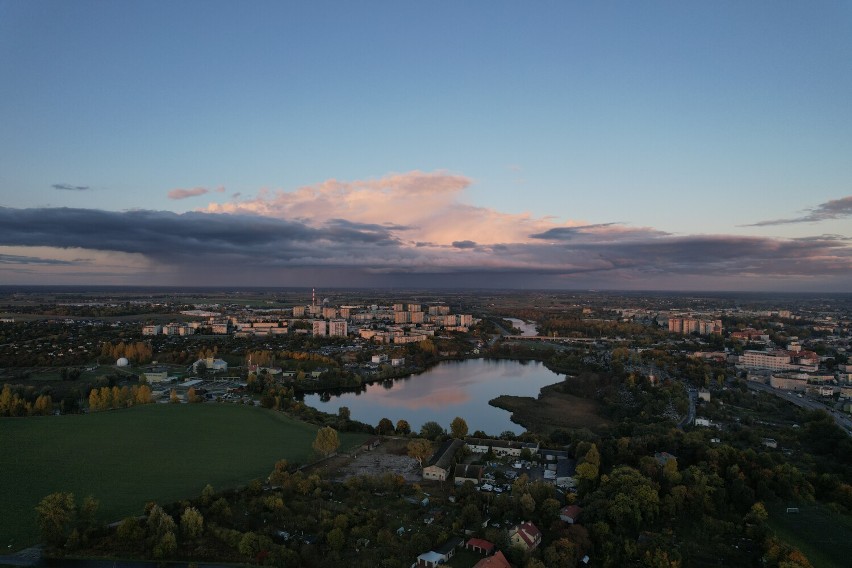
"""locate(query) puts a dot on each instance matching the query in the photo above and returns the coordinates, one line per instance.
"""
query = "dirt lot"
(390, 457)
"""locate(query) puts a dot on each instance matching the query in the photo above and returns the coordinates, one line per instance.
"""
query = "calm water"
(450, 389)
(527, 329)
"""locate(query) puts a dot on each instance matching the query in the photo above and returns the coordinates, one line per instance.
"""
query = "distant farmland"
(125, 458)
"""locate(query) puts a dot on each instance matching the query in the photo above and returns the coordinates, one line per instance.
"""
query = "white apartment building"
(337, 328)
(320, 328)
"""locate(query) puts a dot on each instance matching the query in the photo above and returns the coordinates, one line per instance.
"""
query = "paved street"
(805, 402)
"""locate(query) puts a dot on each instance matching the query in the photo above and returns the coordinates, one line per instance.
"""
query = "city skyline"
(612, 146)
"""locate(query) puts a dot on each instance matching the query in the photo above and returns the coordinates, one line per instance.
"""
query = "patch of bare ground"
(552, 410)
(391, 456)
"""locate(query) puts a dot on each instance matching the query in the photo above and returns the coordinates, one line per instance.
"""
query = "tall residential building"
(439, 310)
(320, 328)
(686, 326)
(329, 312)
(415, 308)
(402, 317)
(337, 328)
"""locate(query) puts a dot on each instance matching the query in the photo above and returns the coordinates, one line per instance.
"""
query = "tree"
(94, 401)
(527, 504)
(327, 441)
(343, 413)
(191, 523)
(403, 428)
(431, 430)
(335, 539)
(207, 495)
(458, 428)
(385, 427)
(173, 397)
(159, 523)
(143, 395)
(625, 498)
(191, 396)
(167, 545)
(419, 449)
(86, 514)
(56, 516)
(279, 475)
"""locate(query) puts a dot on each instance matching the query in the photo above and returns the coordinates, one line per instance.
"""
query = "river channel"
(447, 390)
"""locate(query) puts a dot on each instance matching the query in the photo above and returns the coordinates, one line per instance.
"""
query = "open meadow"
(821, 534)
(125, 458)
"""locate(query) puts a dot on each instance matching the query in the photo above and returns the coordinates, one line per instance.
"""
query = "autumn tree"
(56, 517)
(403, 428)
(420, 449)
(191, 523)
(94, 400)
(143, 395)
(385, 427)
(173, 397)
(458, 428)
(327, 441)
(191, 396)
(280, 474)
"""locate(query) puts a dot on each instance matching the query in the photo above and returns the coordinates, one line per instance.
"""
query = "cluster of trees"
(64, 525)
(13, 404)
(138, 352)
(106, 398)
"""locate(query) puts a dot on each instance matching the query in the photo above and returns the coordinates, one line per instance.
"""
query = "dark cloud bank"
(231, 247)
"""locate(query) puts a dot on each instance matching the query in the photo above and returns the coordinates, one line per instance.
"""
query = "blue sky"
(651, 130)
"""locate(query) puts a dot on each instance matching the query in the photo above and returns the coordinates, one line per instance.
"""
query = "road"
(805, 402)
(690, 415)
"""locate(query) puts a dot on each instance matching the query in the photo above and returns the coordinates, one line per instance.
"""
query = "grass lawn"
(124, 458)
(823, 536)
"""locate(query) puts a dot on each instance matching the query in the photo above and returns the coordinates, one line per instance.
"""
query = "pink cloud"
(184, 193)
(428, 205)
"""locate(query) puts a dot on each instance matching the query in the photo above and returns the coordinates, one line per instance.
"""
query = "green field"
(823, 536)
(124, 458)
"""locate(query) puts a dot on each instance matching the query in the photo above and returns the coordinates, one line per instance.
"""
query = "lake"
(450, 389)
(527, 328)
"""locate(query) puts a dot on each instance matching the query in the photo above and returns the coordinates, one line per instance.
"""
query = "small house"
(570, 513)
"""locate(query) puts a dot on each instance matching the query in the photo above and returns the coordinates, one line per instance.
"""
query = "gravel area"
(377, 463)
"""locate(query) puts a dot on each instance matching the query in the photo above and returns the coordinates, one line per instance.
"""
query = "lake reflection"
(528, 329)
(450, 389)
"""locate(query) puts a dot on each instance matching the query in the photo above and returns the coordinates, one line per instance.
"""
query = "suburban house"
(429, 559)
(570, 513)
(526, 535)
(499, 447)
(480, 545)
(467, 472)
(439, 465)
(496, 561)
(440, 554)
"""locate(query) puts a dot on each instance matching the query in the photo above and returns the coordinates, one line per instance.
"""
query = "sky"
(562, 145)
